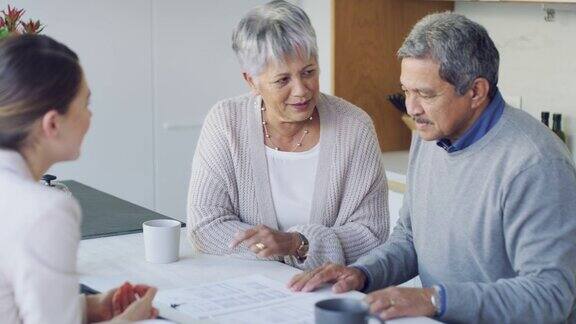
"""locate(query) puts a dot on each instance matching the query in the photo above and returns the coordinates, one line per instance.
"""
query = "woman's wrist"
(94, 308)
(296, 242)
(302, 250)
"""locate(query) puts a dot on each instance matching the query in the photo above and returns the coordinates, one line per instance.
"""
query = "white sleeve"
(46, 284)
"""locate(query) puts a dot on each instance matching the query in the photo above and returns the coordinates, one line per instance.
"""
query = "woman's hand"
(266, 242)
(126, 300)
(126, 294)
(141, 308)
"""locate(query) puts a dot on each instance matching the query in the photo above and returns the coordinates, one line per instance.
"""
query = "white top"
(39, 239)
(292, 176)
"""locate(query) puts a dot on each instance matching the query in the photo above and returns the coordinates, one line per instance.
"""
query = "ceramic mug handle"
(374, 317)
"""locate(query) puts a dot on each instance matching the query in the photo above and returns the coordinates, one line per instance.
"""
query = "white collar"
(14, 162)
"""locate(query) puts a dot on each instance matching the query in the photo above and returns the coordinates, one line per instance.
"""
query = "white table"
(105, 263)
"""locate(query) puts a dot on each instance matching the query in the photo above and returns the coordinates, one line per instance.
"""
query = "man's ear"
(251, 83)
(480, 90)
(50, 123)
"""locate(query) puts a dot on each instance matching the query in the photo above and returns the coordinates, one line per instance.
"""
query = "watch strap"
(302, 250)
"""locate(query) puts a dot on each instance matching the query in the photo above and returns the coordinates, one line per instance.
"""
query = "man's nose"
(413, 107)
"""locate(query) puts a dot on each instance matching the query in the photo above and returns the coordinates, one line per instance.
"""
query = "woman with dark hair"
(44, 116)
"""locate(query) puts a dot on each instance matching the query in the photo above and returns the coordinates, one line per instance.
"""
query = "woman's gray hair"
(462, 47)
(273, 32)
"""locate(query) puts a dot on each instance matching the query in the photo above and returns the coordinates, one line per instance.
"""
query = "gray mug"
(343, 311)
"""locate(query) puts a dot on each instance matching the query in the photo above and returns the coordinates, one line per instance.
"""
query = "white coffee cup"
(161, 240)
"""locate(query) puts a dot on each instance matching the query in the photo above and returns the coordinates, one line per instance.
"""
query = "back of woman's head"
(37, 75)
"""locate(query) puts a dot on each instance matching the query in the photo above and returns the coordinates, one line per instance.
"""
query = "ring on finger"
(392, 302)
(260, 246)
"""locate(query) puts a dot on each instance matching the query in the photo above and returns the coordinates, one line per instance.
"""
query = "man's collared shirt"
(487, 120)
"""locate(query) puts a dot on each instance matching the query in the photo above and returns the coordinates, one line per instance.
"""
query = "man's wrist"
(432, 302)
(438, 300)
(364, 278)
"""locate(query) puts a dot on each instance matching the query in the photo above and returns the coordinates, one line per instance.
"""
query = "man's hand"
(396, 302)
(344, 278)
(266, 242)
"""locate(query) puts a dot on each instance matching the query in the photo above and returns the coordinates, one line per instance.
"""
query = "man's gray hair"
(273, 32)
(462, 48)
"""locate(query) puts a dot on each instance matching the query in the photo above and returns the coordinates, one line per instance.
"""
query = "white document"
(295, 311)
(253, 299)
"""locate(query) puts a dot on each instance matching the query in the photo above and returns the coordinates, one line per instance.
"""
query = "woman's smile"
(301, 106)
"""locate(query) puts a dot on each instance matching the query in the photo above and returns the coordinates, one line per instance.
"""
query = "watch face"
(302, 251)
(303, 239)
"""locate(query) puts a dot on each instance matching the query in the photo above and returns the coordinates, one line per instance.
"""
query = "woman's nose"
(300, 88)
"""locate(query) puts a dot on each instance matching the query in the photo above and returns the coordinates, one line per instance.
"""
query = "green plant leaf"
(4, 32)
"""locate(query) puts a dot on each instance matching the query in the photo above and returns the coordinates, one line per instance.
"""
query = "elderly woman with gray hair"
(286, 173)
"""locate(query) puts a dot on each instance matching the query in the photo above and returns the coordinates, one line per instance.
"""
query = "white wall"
(155, 68)
(194, 67)
(320, 13)
(113, 41)
(537, 58)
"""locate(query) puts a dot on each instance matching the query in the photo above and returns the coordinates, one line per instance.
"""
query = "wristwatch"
(302, 250)
(435, 300)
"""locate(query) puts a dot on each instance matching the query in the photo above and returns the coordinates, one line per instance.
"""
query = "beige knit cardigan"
(230, 191)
